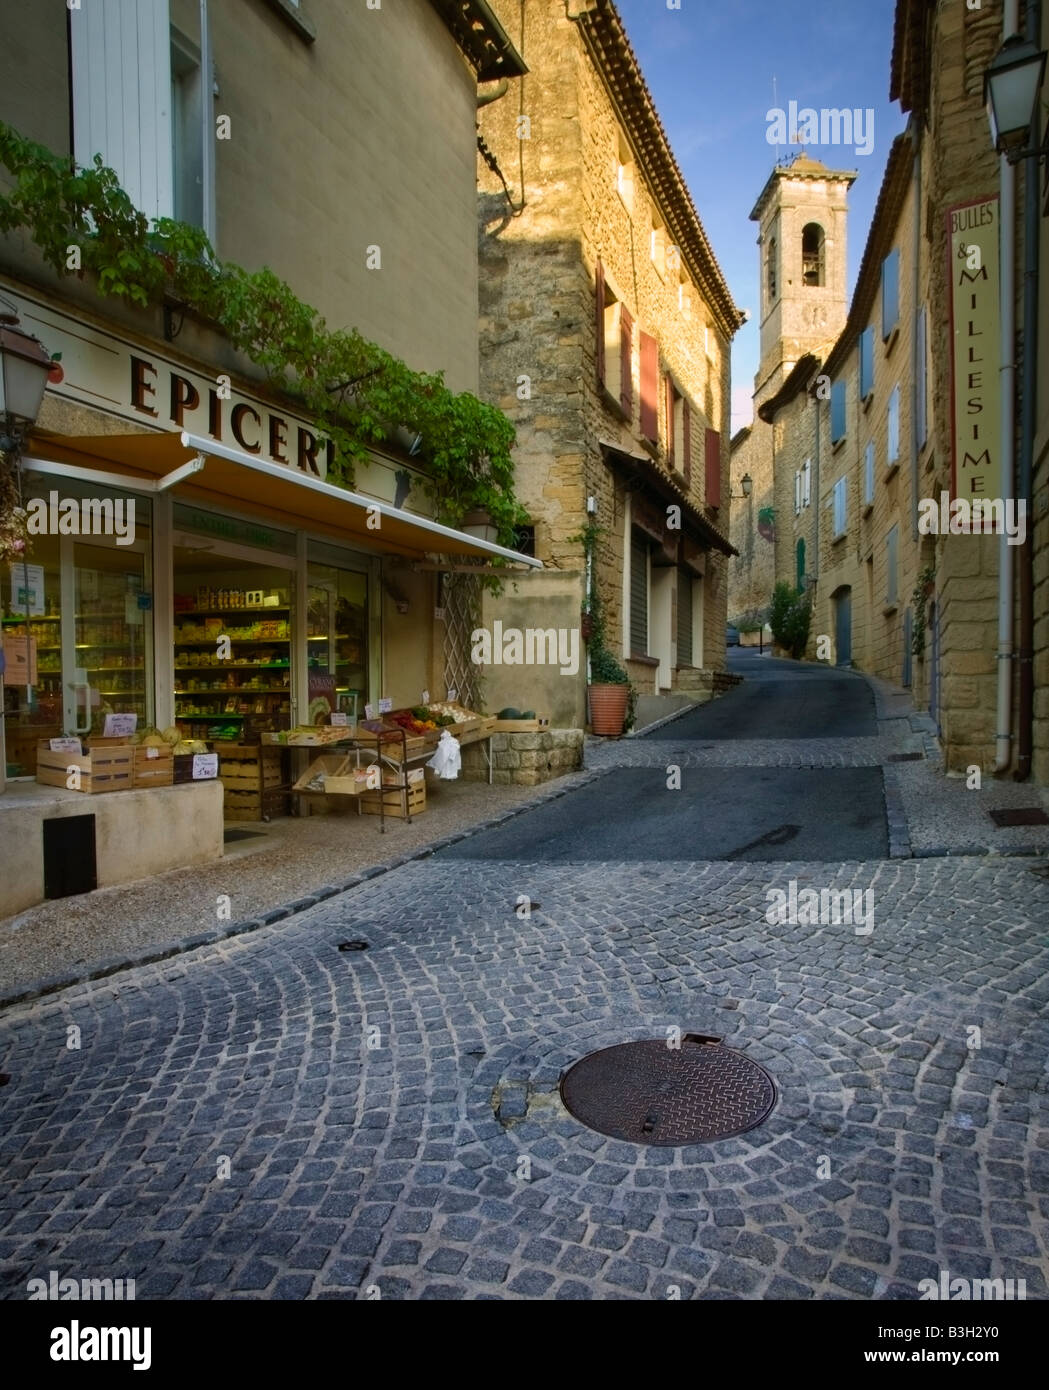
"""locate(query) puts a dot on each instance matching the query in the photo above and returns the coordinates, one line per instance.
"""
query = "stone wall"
(525, 759)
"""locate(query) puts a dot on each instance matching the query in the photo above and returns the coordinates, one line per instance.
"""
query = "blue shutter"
(837, 412)
(920, 386)
(866, 362)
(890, 293)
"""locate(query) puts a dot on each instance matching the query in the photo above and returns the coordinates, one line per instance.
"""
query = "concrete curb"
(151, 955)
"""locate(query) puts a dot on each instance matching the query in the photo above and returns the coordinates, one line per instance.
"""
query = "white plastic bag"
(448, 758)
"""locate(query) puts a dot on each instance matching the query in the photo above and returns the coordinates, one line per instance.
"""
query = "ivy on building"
(83, 222)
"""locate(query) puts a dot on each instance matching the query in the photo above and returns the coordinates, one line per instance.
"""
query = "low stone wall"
(525, 760)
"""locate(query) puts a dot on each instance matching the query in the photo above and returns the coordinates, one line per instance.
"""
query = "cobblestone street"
(389, 1118)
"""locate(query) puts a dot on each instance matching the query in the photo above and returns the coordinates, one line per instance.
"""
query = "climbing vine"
(920, 602)
(83, 222)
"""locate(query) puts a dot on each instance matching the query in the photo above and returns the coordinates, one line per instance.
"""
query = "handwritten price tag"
(205, 766)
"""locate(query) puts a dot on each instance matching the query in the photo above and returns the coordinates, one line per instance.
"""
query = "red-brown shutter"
(672, 443)
(649, 387)
(599, 276)
(686, 442)
(626, 375)
(713, 447)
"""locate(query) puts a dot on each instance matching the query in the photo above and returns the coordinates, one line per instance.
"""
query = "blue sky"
(710, 67)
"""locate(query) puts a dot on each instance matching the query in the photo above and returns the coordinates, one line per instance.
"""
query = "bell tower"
(801, 215)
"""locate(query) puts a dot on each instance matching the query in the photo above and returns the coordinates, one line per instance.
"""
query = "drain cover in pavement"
(650, 1093)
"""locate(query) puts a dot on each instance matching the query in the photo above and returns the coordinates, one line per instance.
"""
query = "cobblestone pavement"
(391, 1117)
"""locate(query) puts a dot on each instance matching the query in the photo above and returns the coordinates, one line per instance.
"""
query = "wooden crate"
(157, 770)
(101, 770)
(394, 802)
(247, 767)
(327, 765)
(255, 805)
(518, 726)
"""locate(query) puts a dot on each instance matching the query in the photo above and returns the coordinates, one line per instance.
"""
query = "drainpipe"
(1007, 219)
(1028, 387)
(500, 90)
(916, 137)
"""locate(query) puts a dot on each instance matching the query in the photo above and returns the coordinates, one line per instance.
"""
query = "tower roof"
(802, 168)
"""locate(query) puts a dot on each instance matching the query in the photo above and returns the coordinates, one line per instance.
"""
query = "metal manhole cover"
(651, 1093)
(1021, 815)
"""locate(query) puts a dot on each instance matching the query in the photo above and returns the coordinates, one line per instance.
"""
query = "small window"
(837, 412)
(893, 454)
(867, 363)
(675, 426)
(838, 499)
(770, 262)
(684, 298)
(812, 255)
(892, 541)
(868, 474)
(890, 295)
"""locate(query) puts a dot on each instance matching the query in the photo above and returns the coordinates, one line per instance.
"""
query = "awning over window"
(214, 474)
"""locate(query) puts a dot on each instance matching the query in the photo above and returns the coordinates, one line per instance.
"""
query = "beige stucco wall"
(544, 599)
(138, 833)
(363, 138)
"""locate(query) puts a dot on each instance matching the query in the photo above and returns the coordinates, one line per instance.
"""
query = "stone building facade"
(605, 334)
(921, 401)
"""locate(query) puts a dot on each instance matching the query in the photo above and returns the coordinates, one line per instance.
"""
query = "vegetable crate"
(108, 769)
(254, 783)
(154, 767)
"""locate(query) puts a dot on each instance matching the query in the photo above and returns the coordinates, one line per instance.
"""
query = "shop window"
(231, 691)
(812, 255)
(337, 641)
(83, 597)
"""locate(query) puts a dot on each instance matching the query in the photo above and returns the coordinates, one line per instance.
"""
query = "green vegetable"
(421, 713)
(528, 714)
(509, 713)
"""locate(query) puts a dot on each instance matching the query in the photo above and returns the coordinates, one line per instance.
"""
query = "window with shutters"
(890, 295)
(615, 346)
(120, 61)
(638, 594)
(806, 483)
(838, 506)
(684, 618)
(892, 457)
(867, 363)
(921, 385)
(837, 412)
(713, 468)
(625, 172)
(675, 408)
(892, 544)
(868, 474)
(649, 387)
(186, 131)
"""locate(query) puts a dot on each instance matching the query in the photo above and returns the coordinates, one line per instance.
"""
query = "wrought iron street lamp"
(1010, 88)
(24, 367)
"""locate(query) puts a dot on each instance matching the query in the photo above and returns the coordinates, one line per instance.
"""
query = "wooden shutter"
(120, 56)
(626, 375)
(713, 460)
(684, 618)
(668, 396)
(649, 387)
(686, 442)
(638, 596)
(599, 276)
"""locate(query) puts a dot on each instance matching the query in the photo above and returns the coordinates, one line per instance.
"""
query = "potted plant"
(608, 691)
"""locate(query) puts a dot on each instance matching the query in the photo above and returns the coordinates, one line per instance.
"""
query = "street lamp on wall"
(1010, 89)
(747, 484)
(24, 367)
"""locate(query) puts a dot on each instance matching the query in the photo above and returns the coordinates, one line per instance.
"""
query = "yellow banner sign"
(976, 462)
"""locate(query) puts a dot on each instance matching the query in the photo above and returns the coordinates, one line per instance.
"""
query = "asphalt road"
(721, 813)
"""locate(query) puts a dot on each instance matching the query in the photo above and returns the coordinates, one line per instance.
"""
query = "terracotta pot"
(608, 708)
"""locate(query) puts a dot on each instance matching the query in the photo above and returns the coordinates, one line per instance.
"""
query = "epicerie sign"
(108, 373)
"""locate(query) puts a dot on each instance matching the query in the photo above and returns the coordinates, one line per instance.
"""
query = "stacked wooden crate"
(253, 779)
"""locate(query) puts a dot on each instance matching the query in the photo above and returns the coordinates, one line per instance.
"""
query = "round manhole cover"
(652, 1093)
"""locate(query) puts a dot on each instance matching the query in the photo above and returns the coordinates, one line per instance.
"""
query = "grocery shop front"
(248, 597)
